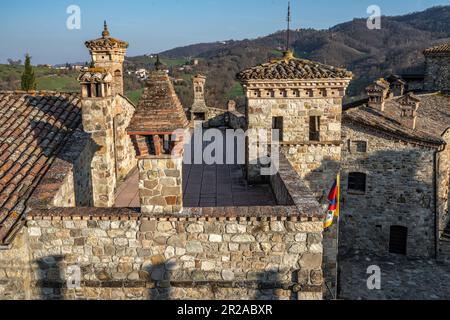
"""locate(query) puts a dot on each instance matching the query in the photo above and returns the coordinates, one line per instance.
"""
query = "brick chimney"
(378, 93)
(409, 104)
(157, 129)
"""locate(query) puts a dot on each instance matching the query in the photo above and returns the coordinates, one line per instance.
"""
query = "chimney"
(109, 53)
(231, 106)
(199, 110)
(158, 128)
(409, 104)
(378, 93)
(97, 113)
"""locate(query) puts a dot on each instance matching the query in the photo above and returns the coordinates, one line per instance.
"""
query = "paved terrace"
(207, 186)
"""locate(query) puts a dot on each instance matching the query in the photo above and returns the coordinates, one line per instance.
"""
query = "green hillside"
(46, 78)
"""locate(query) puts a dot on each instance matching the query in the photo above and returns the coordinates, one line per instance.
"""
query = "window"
(89, 91)
(359, 146)
(357, 182)
(98, 90)
(398, 240)
(314, 128)
(277, 124)
(117, 73)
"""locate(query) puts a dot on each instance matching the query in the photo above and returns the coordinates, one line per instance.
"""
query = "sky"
(39, 27)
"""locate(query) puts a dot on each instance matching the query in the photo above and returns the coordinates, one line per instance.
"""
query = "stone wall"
(316, 163)
(68, 182)
(15, 269)
(399, 192)
(296, 115)
(209, 253)
(160, 185)
(437, 73)
(98, 114)
(443, 182)
(125, 153)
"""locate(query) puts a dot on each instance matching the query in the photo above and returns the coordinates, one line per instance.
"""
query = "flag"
(334, 206)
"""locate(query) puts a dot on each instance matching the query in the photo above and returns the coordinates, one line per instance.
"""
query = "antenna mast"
(288, 40)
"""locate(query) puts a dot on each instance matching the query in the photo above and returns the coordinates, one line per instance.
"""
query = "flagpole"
(337, 234)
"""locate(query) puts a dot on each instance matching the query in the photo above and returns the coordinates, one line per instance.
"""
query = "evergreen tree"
(28, 77)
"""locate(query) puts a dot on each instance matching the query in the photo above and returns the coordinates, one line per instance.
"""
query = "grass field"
(46, 78)
(134, 95)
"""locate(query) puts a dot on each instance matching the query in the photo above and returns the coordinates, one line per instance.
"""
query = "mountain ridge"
(396, 48)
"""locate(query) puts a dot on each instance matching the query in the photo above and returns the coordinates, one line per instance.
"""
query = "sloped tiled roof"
(33, 128)
(290, 68)
(443, 49)
(433, 118)
(159, 110)
(106, 42)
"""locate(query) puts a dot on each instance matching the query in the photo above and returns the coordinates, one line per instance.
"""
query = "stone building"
(395, 168)
(437, 74)
(66, 157)
(301, 99)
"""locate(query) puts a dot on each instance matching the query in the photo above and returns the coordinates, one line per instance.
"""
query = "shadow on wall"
(266, 285)
(161, 274)
(74, 147)
(50, 278)
(270, 286)
(388, 189)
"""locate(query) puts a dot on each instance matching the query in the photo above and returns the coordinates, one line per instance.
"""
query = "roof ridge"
(37, 92)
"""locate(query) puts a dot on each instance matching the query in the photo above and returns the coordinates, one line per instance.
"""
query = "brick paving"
(401, 279)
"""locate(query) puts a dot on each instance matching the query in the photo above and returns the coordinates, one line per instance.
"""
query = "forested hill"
(397, 47)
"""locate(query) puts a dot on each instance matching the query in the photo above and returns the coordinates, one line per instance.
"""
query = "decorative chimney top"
(158, 115)
(409, 104)
(105, 32)
(378, 93)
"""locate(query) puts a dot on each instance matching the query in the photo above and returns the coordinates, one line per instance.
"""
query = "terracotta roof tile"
(290, 68)
(33, 128)
(159, 109)
(443, 49)
(433, 118)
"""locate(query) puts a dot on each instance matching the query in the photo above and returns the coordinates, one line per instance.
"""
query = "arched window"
(117, 73)
(398, 240)
(357, 182)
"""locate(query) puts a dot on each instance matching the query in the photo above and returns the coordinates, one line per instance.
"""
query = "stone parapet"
(214, 256)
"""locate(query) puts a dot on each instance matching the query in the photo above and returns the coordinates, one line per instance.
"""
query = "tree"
(28, 77)
(14, 63)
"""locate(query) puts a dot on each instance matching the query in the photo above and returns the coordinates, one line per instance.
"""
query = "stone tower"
(157, 129)
(437, 73)
(199, 110)
(97, 102)
(301, 99)
(109, 53)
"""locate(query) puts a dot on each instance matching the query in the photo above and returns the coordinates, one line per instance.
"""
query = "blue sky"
(39, 26)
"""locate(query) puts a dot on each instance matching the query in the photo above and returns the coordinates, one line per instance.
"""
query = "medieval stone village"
(99, 201)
